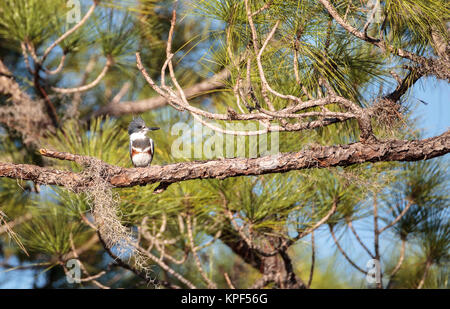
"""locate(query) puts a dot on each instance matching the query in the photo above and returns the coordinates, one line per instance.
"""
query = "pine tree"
(240, 79)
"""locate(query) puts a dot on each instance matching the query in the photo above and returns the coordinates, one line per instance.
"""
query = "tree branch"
(318, 157)
(425, 274)
(135, 107)
(95, 82)
(344, 253)
(363, 36)
(350, 225)
(313, 260)
(397, 218)
(70, 31)
(24, 115)
(399, 264)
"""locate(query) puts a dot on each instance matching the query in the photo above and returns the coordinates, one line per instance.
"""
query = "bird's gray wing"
(141, 143)
(129, 150)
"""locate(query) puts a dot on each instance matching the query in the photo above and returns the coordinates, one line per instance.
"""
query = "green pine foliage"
(269, 205)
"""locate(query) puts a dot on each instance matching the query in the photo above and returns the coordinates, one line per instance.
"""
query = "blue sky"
(434, 118)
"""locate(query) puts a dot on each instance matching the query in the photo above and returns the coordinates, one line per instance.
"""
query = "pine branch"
(134, 107)
(439, 68)
(318, 157)
(24, 115)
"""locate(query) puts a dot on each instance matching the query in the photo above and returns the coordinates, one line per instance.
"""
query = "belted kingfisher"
(142, 147)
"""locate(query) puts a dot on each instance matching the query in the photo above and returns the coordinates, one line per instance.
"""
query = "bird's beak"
(152, 128)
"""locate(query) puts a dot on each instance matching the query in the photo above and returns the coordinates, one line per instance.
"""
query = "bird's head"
(138, 125)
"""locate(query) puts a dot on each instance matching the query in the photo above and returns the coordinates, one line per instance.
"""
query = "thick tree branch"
(404, 85)
(242, 249)
(291, 281)
(318, 157)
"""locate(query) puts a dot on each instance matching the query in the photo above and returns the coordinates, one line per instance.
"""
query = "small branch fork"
(377, 232)
(144, 275)
(28, 49)
(286, 243)
(439, 67)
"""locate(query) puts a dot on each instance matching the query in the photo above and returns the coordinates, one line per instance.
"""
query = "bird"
(142, 148)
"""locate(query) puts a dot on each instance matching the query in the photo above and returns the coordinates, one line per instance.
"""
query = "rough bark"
(318, 157)
(240, 248)
(275, 269)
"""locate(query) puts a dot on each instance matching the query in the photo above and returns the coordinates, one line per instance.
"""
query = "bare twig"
(95, 82)
(344, 253)
(398, 218)
(227, 278)
(70, 31)
(76, 101)
(399, 264)
(313, 260)
(196, 258)
(376, 242)
(363, 36)
(350, 225)
(168, 269)
(125, 265)
(6, 227)
(25, 58)
(425, 274)
(264, 7)
(58, 68)
(89, 278)
(320, 222)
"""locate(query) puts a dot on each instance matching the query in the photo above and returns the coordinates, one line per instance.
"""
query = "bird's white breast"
(143, 155)
(138, 135)
(141, 159)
